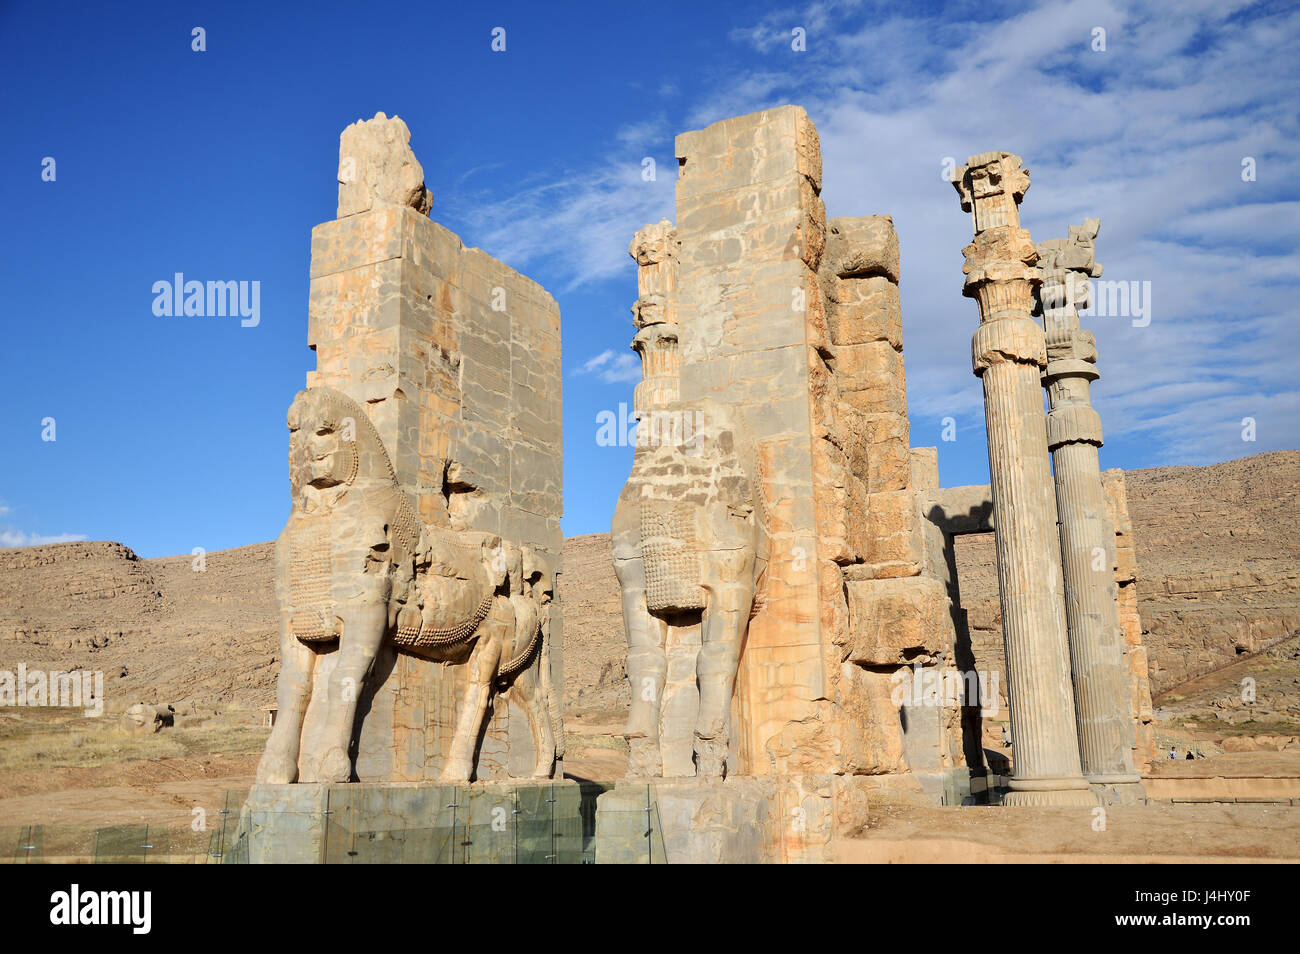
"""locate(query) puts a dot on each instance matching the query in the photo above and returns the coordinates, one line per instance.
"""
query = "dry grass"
(574, 740)
(65, 738)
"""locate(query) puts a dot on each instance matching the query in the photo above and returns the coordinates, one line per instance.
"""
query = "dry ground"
(1138, 834)
(1218, 549)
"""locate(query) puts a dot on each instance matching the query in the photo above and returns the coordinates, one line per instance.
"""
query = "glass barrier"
(527, 824)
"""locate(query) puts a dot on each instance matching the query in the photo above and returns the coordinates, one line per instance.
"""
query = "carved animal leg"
(279, 764)
(532, 697)
(483, 662)
(363, 632)
(647, 668)
(731, 596)
(551, 698)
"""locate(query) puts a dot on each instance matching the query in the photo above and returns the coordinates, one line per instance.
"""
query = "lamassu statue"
(356, 566)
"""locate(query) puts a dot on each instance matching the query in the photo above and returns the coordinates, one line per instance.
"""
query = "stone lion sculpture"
(356, 566)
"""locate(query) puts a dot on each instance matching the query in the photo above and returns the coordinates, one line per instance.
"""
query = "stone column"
(1007, 352)
(1087, 539)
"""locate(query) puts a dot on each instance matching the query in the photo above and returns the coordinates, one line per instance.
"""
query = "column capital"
(654, 314)
(1073, 424)
(1007, 339)
(1066, 265)
(654, 243)
(991, 186)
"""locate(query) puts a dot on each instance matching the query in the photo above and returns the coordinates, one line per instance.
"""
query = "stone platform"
(742, 820)
(518, 822)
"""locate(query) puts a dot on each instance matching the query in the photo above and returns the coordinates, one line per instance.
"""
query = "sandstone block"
(894, 621)
(893, 524)
(924, 469)
(871, 377)
(859, 247)
(863, 310)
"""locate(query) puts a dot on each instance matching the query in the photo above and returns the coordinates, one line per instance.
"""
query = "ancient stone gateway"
(769, 540)
(419, 638)
(792, 611)
(779, 543)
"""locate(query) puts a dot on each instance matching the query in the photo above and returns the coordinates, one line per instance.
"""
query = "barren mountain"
(1218, 562)
(1218, 565)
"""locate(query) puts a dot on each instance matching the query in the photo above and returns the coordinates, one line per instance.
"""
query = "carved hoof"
(276, 768)
(710, 760)
(456, 773)
(644, 760)
(335, 767)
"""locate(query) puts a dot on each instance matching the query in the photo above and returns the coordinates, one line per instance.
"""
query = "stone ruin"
(786, 558)
(420, 640)
(780, 544)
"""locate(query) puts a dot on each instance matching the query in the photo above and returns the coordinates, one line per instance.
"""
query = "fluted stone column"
(1087, 538)
(1007, 353)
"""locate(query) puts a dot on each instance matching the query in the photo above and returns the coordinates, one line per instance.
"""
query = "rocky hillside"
(1218, 565)
(1218, 551)
(166, 630)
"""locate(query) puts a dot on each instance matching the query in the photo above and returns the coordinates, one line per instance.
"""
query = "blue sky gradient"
(170, 431)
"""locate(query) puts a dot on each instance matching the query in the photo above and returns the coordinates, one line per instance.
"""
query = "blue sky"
(170, 432)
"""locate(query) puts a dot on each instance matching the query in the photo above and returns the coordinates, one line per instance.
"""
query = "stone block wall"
(1135, 654)
(795, 322)
(751, 228)
(456, 358)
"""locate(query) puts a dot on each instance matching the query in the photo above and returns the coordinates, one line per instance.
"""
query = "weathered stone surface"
(1007, 351)
(871, 377)
(775, 818)
(425, 467)
(862, 247)
(377, 168)
(1140, 709)
(893, 621)
(1101, 680)
(486, 823)
(792, 330)
(357, 572)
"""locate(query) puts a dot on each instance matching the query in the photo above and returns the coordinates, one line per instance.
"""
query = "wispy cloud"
(10, 537)
(16, 538)
(1149, 134)
(580, 222)
(612, 368)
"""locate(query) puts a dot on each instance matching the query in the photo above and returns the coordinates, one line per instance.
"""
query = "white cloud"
(580, 222)
(612, 368)
(17, 538)
(1149, 136)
